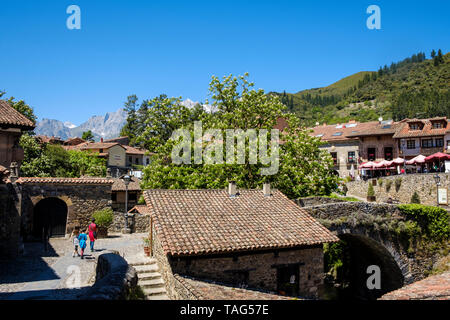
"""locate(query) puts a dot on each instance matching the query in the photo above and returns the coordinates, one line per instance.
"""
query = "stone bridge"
(371, 232)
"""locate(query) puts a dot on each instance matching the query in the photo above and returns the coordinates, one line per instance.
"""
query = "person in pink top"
(92, 234)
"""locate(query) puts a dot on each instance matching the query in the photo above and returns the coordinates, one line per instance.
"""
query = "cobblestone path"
(43, 275)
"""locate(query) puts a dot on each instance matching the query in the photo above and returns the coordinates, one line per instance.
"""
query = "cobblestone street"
(50, 275)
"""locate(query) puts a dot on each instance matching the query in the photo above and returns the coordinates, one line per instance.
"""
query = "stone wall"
(423, 184)
(261, 268)
(9, 220)
(82, 201)
(114, 278)
(138, 223)
(314, 201)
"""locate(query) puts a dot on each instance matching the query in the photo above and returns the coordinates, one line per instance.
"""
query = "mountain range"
(107, 126)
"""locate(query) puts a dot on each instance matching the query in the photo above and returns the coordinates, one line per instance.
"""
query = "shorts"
(76, 247)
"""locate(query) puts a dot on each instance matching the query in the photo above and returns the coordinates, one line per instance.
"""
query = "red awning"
(437, 156)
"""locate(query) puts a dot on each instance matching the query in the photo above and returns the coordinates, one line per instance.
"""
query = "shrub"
(415, 198)
(141, 200)
(388, 185)
(104, 217)
(398, 183)
(370, 191)
(434, 221)
(380, 182)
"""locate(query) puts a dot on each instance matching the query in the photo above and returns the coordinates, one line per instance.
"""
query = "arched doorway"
(356, 253)
(50, 217)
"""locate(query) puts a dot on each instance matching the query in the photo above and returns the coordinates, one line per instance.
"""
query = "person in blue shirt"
(83, 242)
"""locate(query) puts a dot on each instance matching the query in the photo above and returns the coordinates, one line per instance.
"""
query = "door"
(288, 280)
(50, 218)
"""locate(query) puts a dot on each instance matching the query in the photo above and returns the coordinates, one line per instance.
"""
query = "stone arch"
(362, 252)
(50, 217)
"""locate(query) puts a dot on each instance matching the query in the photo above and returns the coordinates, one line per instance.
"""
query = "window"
(411, 144)
(334, 156)
(414, 126)
(439, 142)
(427, 143)
(130, 159)
(351, 157)
(371, 154)
(132, 196)
(437, 125)
(337, 134)
(137, 160)
(148, 161)
(114, 196)
(388, 153)
(101, 150)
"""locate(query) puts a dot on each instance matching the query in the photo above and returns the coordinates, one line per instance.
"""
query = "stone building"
(422, 136)
(343, 149)
(12, 124)
(376, 143)
(250, 239)
(57, 205)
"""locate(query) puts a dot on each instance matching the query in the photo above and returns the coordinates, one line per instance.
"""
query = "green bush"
(434, 221)
(415, 198)
(380, 182)
(388, 185)
(370, 191)
(398, 183)
(104, 217)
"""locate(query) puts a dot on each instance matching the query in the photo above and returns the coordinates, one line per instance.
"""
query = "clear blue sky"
(174, 47)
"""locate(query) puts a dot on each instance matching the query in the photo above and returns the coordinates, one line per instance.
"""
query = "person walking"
(92, 234)
(75, 241)
(83, 242)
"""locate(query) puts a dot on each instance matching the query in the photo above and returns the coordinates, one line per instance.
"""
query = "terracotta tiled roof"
(340, 132)
(99, 145)
(193, 222)
(427, 130)
(142, 209)
(48, 180)
(388, 127)
(74, 141)
(120, 186)
(47, 139)
(12, 117)
(132, 150)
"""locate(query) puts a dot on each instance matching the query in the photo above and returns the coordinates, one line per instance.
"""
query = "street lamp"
(437, 179)
(126, 180)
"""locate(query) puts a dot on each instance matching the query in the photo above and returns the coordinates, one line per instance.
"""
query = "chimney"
(101, 140)
(324, 124)
(232, 188)
(266, 190)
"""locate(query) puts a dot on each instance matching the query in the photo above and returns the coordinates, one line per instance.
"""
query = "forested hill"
(413, 87)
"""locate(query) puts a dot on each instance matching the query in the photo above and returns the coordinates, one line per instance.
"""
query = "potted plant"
(146, 242)
(103, 219)
(370, 193)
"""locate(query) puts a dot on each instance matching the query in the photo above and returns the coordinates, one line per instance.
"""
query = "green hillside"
(413, 87)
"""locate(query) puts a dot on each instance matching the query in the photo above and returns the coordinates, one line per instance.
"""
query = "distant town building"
(343, 149)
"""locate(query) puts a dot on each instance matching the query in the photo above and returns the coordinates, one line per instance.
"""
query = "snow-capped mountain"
(107, 126)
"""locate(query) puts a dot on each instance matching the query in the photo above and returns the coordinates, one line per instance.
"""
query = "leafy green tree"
(304, 168)
(87, 135)
(130, 127)
(433, 54)
(46, 160)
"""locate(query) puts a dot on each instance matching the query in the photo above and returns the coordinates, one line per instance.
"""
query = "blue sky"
(174, 47)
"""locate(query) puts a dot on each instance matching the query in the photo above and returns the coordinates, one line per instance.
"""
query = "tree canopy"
(302, 167)
(47, 160)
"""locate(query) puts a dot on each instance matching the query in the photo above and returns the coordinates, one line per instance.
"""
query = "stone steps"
(149, 275)
(154, 283)
(150, 279)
